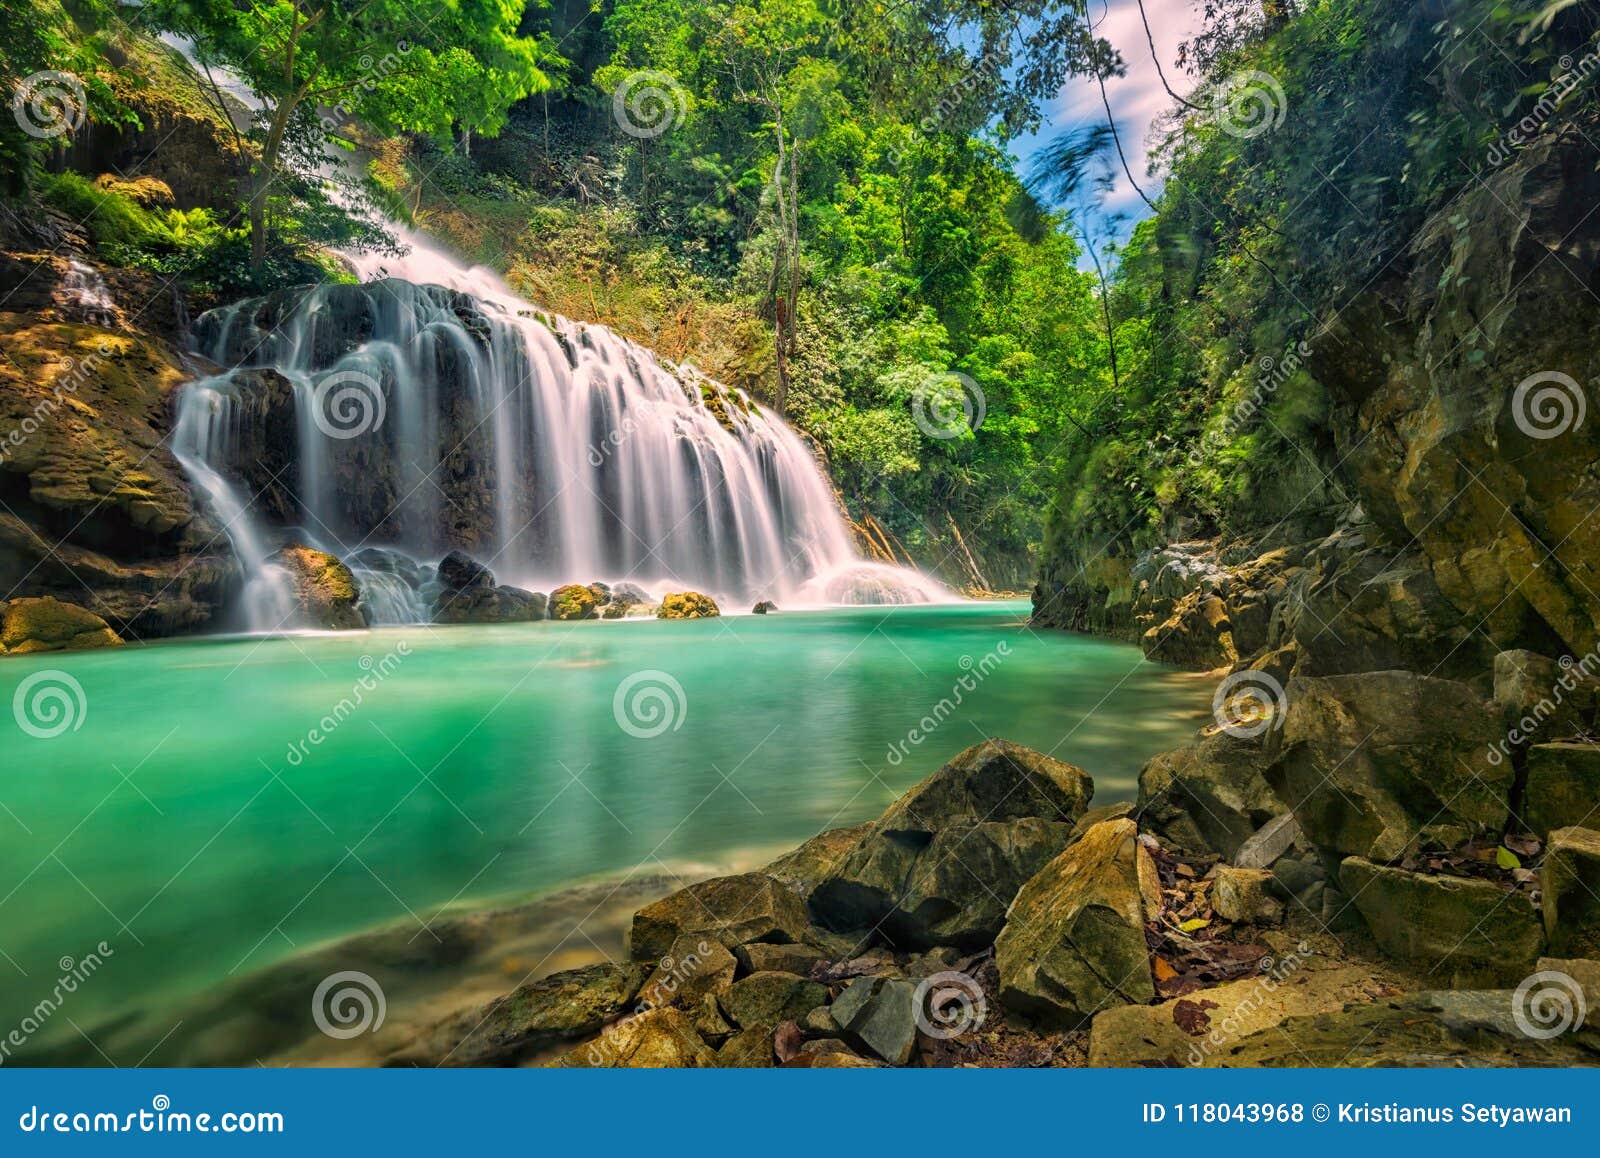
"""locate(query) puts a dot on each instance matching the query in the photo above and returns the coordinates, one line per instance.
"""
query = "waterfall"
(445, 415)
(435, 410)
(207, 425)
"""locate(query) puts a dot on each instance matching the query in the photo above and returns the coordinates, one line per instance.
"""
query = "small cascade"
(206, 429)
(88, 295)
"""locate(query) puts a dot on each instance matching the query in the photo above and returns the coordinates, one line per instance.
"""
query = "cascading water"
(206, 429)
(434, 410)
(434, 416)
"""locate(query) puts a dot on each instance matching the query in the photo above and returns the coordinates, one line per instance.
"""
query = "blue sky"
(1137, 99)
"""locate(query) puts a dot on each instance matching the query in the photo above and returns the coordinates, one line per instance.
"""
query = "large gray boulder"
(1379, 763)
(1209, 796)
(1074, 940)
(941, 865)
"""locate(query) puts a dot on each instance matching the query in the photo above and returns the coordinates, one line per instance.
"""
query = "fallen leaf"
(786, 1041)
(1506, 859)
(1191, 1016)
(1196, 923)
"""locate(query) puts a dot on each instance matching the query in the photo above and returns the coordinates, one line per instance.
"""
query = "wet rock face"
(323, 586)
(1464, 424)
(1494, 489)
(32, 625)
(687, 605)
(91, 496)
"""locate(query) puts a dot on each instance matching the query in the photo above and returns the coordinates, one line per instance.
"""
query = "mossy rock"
(47, 624)
(687, 605)
(573, 601)
(324, 587)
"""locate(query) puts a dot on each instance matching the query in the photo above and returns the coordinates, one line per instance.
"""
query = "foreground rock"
(1376, 764)
(732, 910)
(325, 591)
(1074, 940)
(1198, 1028)
(1448, 1029)
(48, 624)
(1563, 786)
(941, 865)
(1461, 928)
(561, 1007)
(1570, 885)
(687, 605)
(655, 1039)
(1211, 795)
(574, 602)
(879, 1015)
(469, 594)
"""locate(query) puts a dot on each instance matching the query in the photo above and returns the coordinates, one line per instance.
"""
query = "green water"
(190, 822)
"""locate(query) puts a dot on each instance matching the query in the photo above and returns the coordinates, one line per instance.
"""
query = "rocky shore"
(1280, 899)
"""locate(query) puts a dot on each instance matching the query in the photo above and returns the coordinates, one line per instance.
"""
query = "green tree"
(372, 60)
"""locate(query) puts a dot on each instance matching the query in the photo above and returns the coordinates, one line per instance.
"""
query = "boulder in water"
(687, 605)
(501, 604)
(765, 606)
(324, 588)
(47, 624)
(574, 601)
(460, 571)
